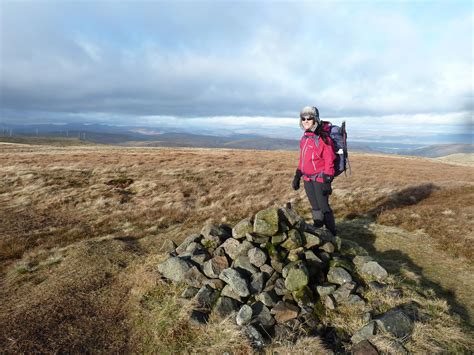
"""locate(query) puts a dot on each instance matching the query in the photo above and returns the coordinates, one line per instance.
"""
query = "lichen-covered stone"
(243, 264)
(227, 291)
(279, 238)
(338, 275)
(311, 240)
(360, 260)
(297, 277)
(373, 269)
(242, 228)
(328, 247)
(257, 238)
(296, 254)
(303, 297)
(266, 222)
(294, 240)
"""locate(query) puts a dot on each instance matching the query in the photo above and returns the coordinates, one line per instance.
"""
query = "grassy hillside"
(82, 229)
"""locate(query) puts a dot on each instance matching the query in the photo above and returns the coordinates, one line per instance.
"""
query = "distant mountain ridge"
(161, 137)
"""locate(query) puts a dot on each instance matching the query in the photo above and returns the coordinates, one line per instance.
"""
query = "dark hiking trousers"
(319, 200)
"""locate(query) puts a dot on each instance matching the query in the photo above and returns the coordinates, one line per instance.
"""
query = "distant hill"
(439, 150)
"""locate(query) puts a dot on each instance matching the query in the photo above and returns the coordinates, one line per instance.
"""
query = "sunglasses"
(307, 119)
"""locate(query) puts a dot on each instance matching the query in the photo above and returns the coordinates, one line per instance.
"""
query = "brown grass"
(80, 228)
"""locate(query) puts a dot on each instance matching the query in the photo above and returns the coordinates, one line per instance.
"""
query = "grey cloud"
(220, 58)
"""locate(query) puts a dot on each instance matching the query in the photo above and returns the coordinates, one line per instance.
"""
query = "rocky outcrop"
(274, 273)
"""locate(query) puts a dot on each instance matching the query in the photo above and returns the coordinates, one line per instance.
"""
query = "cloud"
(220, 59)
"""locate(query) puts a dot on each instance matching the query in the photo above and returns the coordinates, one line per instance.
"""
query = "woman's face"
(307, 123)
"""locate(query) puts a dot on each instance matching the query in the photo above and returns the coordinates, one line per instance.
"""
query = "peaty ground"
(81, 230)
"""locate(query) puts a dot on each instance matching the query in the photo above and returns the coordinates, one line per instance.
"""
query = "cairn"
(275, 275)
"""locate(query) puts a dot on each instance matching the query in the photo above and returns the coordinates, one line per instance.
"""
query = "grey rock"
(216, 284)
(269, 298)
(290, 216)
(200, 258)
(270, 284)
(220, 231)
(213, 267)
(360, 260)
(168, 246)
(372, 268)
(257, 257)
(254, 336)
(192, 238)
(396, 323)
(280, 288)
(206, 297)
(395, 347)
(198, 317)
(325, 290)
(242, 263)
(329, 302)
(174, 269)
(285, 311)
(325, 257)
(340, 262)
(366, 332)
(297, 278)
(366, 317)
(267, 270)
(338, 275)
(266, 222)
(341, 295)
(231, 247)
(236, 280)
(229, 292)
(193, 277)
(244, 248)
(262, 315)
(364, 347)
(257, 281)
(189, 292)
(225, 307)
(244, 315)
(242, 228)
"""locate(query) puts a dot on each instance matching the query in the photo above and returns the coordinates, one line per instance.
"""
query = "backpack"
(339, 139)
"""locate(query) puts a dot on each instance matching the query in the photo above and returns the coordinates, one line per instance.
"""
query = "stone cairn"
(275, 276)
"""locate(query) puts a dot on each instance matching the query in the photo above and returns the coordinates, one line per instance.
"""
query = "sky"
(389, 68)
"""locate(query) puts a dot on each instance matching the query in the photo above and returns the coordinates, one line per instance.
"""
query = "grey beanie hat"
(310, 112)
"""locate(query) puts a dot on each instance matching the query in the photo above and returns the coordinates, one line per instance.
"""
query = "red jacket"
(316, 157)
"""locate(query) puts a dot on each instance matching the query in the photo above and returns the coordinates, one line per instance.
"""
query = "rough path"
(451, 278)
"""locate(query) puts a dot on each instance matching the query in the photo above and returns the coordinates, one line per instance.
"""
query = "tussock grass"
(80, 228)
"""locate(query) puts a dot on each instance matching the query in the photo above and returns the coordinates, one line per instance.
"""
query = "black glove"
(326, 188)
(327, 178)
(296, 180)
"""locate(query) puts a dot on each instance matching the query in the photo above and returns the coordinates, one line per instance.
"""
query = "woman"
(316, 166)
